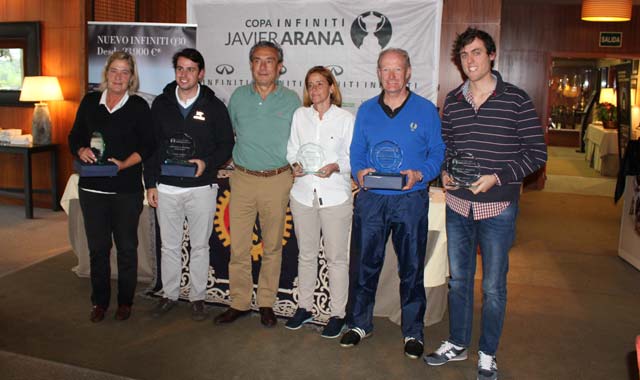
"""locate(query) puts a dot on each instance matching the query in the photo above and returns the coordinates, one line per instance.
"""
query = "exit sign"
(610, 39)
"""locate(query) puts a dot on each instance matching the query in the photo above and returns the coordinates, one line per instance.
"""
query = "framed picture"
(19, 57)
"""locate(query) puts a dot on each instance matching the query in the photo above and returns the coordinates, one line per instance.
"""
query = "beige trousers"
(335, 223)
(266, 197)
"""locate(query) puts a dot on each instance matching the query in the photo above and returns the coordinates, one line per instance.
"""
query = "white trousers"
(335, 223)
(199, 207)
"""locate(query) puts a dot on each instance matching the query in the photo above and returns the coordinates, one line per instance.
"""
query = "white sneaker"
(487, 367)
(445, 353)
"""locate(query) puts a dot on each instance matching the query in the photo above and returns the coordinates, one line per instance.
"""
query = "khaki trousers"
(266, 197)
(335, 223)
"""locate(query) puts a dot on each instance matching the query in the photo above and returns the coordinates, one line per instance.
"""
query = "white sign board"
(343, 36)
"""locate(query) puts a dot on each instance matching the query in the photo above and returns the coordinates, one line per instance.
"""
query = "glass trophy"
(463, 168)
(98, 146)
(180, 149)
(386, 158)
(101, 167)
(311, 157)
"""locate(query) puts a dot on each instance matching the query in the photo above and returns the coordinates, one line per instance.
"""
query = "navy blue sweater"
(504, 135)
(207, 122)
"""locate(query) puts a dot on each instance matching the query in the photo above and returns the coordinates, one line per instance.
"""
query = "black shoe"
(267, 317)
(334, 328)
(300, 317)
(229, 316)
(163, 307)
(413, 348)
(198, 311)
(352, 337)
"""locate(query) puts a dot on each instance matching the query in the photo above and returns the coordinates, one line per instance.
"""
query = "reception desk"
(387, 300)
(601, 146)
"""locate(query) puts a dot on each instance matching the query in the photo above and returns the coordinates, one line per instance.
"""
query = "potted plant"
(606, 112)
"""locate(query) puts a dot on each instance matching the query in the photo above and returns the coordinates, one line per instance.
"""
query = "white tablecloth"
(602, 149)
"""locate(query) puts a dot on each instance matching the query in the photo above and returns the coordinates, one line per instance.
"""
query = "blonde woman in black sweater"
(111, 206)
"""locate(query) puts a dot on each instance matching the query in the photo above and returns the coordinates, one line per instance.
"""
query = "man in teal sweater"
(261, 114)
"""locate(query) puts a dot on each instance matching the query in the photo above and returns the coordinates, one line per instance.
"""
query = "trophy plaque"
(180, 150)
(463, 168)
(100, 168)
(311, 157)
(386, 157)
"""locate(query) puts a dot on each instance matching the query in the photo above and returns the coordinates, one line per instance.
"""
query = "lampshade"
(607, 95)
(40, 89)
(606, 10)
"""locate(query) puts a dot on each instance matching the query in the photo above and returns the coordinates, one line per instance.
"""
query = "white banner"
(340, 35)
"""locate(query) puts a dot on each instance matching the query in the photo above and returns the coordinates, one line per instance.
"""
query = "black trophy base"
(178, 170)
(95, 170)
(385, 181)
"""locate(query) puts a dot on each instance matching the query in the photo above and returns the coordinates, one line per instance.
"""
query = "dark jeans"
(107, 215)
(375, 217)
(495, 237)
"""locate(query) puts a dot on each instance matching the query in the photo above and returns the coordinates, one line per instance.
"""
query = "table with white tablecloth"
(601, 149)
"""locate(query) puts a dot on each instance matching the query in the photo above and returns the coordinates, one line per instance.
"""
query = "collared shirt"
(481, 210)
(187, 103)
(333, 133)
(262, 126)
(103, 101)
(392, 113)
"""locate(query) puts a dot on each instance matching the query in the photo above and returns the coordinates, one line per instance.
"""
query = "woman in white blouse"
(321, 198)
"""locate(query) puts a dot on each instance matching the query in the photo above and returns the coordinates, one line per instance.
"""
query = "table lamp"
(41, 89)
(607, 95)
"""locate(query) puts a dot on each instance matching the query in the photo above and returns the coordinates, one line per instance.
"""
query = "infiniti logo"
(224, 69)
(335, 69)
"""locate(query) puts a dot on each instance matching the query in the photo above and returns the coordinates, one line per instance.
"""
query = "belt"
(263, 173)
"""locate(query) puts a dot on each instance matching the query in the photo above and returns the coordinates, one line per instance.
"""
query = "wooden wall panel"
(171, 11)
(114, 10)
(63, 54)
(457, 15)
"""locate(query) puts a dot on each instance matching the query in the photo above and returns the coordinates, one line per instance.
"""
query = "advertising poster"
(343, 36)
(152, 45)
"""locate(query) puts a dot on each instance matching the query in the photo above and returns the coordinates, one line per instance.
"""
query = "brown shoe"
(97, 313)
(267, 317)
(229, 316)
(123, 313)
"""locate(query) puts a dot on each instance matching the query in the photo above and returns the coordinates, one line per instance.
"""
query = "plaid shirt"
(481, 210)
